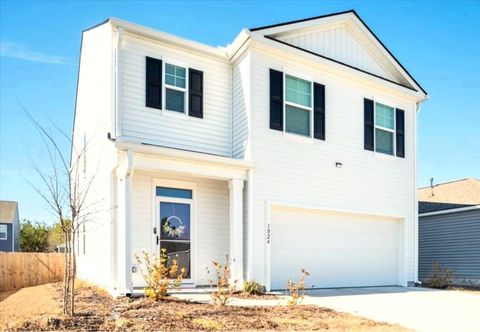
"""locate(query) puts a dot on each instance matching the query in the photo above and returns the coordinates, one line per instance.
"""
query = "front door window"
(175, 234)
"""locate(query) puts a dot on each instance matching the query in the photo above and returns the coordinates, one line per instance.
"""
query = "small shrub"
(222, 288)
(207, 324)
(296, 290)
(441, 277)
(253, 288)
(158, 276)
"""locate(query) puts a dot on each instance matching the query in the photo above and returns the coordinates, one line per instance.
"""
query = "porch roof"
(147, 157)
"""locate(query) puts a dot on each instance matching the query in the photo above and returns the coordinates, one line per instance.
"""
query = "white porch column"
(124, 247)
(236, 230)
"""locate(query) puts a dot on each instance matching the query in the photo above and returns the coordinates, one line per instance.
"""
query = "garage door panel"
(337, 250)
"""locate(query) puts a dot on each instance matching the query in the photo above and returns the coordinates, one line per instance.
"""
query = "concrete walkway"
(416, 308)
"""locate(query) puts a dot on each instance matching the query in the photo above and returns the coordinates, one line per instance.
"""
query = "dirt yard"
(38, 308)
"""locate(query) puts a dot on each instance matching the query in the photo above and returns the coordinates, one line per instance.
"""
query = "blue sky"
(438, 42)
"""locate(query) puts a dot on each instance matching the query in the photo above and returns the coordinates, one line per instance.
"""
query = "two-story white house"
(292, 147)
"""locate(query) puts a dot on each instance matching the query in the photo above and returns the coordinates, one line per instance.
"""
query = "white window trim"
(393, 131)
(6, 232)
(285, 103)
(172, 87)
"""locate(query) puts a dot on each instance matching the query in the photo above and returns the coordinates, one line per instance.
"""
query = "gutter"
(172, 153)
(462, 209)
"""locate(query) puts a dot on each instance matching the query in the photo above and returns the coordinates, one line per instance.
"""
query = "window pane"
(175, 221)
(180, 71)
(384, 116)
(298, 91)
(170, 69)
(170, 79)
(174, 192)
(297, 121)
(175, 75)
(179, 251)
(180, 82)
(175, 100)
(383, 141)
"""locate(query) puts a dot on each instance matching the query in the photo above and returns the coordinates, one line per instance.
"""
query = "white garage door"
(337, 249)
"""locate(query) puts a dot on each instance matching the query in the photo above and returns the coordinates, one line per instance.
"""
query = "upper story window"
(384, 129)
(3, 232)
(175, 88)
(298, 105)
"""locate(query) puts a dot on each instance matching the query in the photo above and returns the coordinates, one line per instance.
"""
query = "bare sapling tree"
(65, 190)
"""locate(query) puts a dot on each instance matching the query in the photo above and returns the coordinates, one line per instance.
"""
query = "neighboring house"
(293, 147)
(9, 226)
(449, 229)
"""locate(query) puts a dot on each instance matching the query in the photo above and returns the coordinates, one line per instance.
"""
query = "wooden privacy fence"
(24, 269)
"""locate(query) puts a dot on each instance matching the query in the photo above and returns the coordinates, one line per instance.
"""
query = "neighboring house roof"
(450, 195)
(8, 211)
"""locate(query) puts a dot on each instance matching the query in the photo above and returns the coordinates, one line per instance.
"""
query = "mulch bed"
(96, 310)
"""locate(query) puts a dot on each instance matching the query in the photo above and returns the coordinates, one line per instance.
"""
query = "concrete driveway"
(416, 308)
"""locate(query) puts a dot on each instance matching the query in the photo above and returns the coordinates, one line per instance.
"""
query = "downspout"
(416, 222)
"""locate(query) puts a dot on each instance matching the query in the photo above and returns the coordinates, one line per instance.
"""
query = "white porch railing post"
(236, 230)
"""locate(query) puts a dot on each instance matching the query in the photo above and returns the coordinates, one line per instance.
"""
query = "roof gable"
(343, 38)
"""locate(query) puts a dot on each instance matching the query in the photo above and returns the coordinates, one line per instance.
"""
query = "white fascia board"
(233, 50)
(462, 209)
(260, 42)
(304, 25)
(388, 56)
(184, 155)
(219, 52)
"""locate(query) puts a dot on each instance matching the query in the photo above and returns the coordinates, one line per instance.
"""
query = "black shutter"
(276, 100)
(153, 94)
(400, 132)
(368, 124)
(319, 111)
(195, 93)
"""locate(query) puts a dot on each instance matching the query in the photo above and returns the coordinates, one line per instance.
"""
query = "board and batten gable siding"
(340, 44)
(453, 240)
(211, 226)
(299, 170)
(138, 123)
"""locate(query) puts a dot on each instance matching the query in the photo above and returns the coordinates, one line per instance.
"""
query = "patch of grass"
(207, 324)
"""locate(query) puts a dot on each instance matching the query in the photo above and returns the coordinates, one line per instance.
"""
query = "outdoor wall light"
(338, 164)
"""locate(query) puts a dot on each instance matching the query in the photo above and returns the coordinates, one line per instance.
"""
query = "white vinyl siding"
(138, 123)
(240, 102)
(304, 173)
